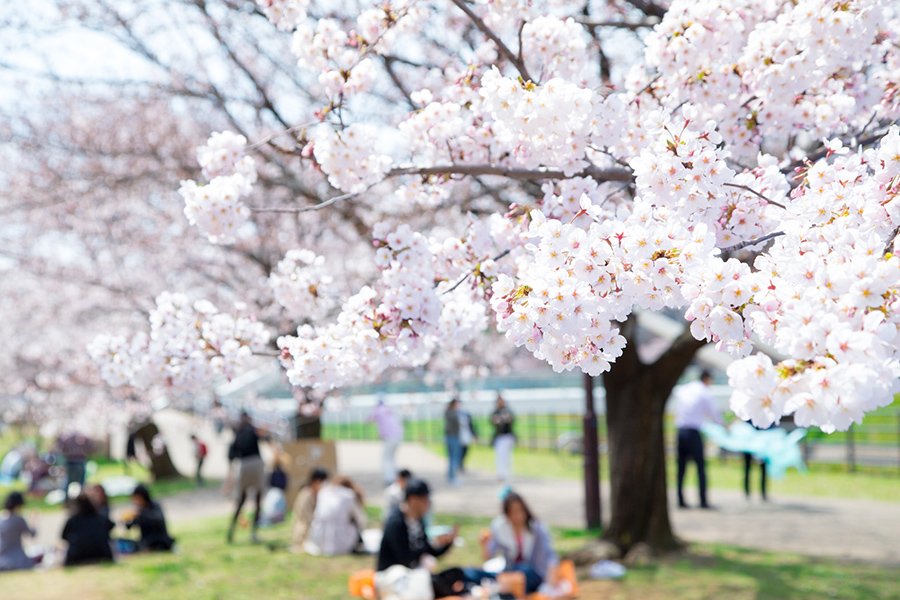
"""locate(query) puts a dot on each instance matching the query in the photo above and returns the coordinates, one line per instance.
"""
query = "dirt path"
(826, 527)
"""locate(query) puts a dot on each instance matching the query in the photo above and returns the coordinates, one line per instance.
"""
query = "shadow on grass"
(732, 572)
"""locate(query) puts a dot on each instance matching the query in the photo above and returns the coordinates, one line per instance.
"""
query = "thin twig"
(760, 240)
(504, 49)
(891, 238)
(754, 192)
(302, 209)
(466, 276)
(645, 88)
(618, 24)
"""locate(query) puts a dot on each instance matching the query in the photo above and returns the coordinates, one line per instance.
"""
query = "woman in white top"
(338, 520)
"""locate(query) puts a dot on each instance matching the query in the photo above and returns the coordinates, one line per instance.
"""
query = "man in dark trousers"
(694, 406)
(251, 472)
(405, 541)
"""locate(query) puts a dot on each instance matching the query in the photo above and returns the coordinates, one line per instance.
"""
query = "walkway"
(826, 527)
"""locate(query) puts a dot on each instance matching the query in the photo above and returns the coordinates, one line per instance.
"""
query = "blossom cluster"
(827, 295)
(547, 124)
(766, 71)
(188, 343)
(378, 327)
(579, 280)
(216, 208)
(347, 157)
(303, 285)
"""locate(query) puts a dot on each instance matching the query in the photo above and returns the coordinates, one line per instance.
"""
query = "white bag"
(400, 583)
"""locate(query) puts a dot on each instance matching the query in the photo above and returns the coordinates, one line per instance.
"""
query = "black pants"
(690, 447)
(748, 461)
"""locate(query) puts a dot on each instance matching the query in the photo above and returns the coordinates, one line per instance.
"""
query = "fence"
(554, 424)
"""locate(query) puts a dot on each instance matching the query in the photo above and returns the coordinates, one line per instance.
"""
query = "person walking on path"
(390, 430)
(468, 435)
(75, 448)
(694, 406)
(200, 452)
(251, 472)
(12, 528)
(452, 439)
(504, 440)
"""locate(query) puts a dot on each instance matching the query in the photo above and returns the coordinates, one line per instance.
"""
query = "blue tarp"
(778, 448)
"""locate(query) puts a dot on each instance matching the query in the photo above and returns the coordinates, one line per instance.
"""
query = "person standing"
(694, 406)
(504, 440)
(200, 452)
(12, 528)
(390, 430)
(75, 448)
(394, 493)
(251, 472)
(451, 437)
(468, 435)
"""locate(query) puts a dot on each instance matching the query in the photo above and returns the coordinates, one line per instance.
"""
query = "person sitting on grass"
(522, 540)
(393, 494)
(97, 495)
(151, 521)
(405, 541)
(12, 528)
(338, 520)
(87, 533)
(305, 507)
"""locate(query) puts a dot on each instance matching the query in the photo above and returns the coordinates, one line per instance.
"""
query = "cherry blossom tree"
(557, 168)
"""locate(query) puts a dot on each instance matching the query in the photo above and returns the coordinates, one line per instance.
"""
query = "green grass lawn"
(204, 568)
(109, 468)
(881, 484)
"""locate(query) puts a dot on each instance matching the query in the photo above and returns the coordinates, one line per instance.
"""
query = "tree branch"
(754, 192)
(467, 275)
(748, 243)
(511, 56)
(650, 9)
(613, 174)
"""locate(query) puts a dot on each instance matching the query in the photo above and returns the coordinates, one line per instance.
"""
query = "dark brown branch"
(651, 9)
(748, 243)
(754, 192)
(511, 56)
(467, 275)
(613, 174)
(618, 24)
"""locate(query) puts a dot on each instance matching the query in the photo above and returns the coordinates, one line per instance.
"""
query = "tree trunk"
(161, 466)
(636, 396)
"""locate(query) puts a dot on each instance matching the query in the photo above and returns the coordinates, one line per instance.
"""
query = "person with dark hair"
(338, 520)
(504, 438)
(12, 528)
(251, 472)
(394, 493)
(98, 496)
(468, 435)
(522, 540)
(694, 406)
(200, 452)
(151, 521)
(405, 541)
(452, 440)
(305, 507)
(87, 533)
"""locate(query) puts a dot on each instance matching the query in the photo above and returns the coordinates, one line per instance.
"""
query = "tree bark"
(161, 466)
(636, 395)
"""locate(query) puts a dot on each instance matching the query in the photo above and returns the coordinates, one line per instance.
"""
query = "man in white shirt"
(694, 406)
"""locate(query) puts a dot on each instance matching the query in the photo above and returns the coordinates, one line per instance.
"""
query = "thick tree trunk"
(636, 396)
(161, 466)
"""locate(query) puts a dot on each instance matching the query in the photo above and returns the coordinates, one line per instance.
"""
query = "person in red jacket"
(200, 452)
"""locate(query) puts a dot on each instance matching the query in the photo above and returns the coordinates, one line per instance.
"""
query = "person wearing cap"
(405, 541)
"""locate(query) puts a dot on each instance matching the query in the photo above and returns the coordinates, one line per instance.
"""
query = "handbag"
(401, 583)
